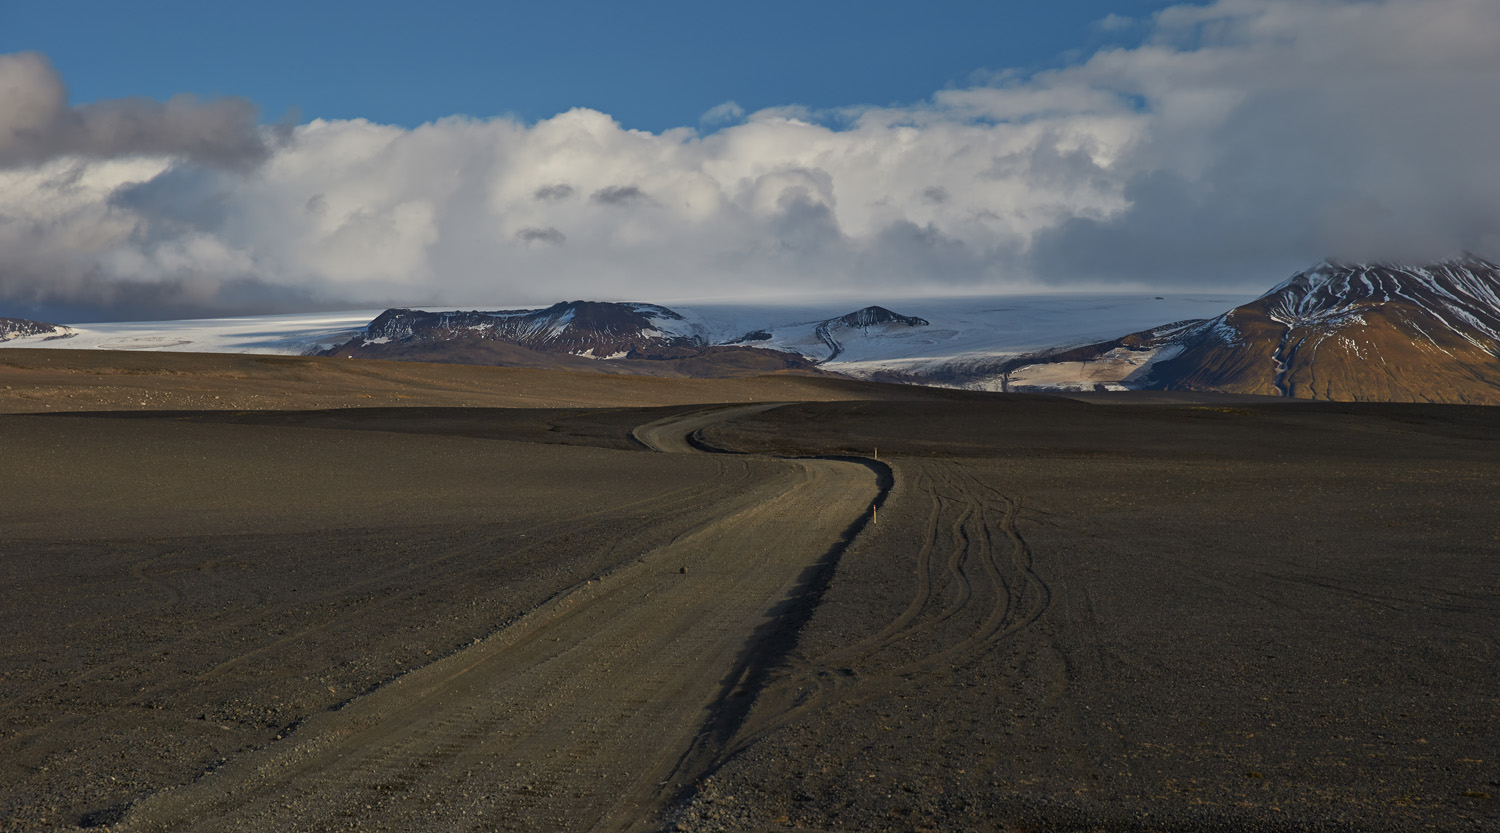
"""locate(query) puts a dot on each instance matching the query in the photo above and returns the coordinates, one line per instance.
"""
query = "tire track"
(121, 688)
(578, 715)
(974, 587)
(415, 576)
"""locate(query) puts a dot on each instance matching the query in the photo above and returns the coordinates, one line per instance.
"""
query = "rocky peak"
(872, 315)
(12, 328)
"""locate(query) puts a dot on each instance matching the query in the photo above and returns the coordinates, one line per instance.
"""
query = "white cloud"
(36, 122)
(720, 114)
(1242, 138)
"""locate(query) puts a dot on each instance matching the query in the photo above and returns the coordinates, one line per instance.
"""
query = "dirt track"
(587, 714)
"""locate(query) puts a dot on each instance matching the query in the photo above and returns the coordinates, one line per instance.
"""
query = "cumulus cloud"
(36, 122)
(1238, 141)
(726, 113)
(1285, 131)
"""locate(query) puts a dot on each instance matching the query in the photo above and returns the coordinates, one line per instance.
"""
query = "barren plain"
(251, 593)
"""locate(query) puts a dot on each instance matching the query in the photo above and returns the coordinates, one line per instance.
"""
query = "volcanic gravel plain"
(256, 593)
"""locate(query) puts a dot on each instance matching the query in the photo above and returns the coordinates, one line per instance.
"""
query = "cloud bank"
(37, 124)
(1237, 142)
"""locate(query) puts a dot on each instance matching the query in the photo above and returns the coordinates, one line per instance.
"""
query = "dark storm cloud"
(531, 234)
(37, 123)
(48, 270)
(1174, 233)
(905, 248)
(619, 195)
(94, 297)
(936, 194)
(180, 198)
(561, 191)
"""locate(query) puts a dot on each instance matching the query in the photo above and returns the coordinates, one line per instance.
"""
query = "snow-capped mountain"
(15, 328)
(953, 336)
(882, 321)
(592, 329)
(1354, 331)
(1339, 331)
(827, 339)
(597, 336)
(1346, 331)
(957, 340)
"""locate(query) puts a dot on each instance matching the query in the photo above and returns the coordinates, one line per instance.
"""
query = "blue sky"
(481, 155)
(652, 65)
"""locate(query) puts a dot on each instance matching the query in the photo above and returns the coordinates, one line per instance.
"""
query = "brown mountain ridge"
(1354, 332)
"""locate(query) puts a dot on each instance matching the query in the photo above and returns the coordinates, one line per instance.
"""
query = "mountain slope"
(874, 329)
(584, 328)
(880, 319)
(1385, 332)
(1354, 332)
(638, 339)
(14, 328)
(624, 334)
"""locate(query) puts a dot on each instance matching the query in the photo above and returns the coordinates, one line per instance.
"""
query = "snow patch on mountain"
(14, 329)
(592, 329)
(1462, 293)
(1354, 331)
(957, 330)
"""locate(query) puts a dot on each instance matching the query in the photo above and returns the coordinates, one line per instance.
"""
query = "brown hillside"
(1386, 333)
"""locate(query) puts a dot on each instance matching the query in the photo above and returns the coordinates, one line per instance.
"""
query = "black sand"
(1198, 615)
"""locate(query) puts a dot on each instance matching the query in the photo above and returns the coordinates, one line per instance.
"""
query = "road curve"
(585, 714)
(674, 434)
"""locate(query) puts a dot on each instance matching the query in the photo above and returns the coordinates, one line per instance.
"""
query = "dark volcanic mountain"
(832, 330)
(871, 316)
(1354, 332)
(11, 328)
(583, 328)
(635, 338)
